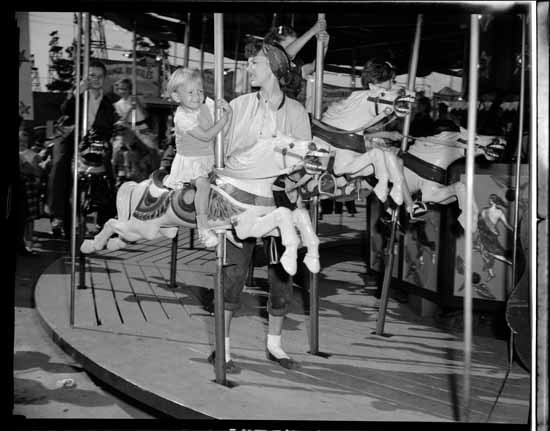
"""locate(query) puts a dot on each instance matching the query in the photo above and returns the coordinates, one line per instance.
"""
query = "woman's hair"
(125, 81)
(277, 34)
(279, 61)
(377, 70)
(180, 76)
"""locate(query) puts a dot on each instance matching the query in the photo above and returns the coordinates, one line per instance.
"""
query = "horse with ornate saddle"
(148, 210)
(422, 168)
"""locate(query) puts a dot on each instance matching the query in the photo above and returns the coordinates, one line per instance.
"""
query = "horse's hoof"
(87, 246)
(312, 264)
(115, 244)
(289, 264)
(381, 193)
(397, 195)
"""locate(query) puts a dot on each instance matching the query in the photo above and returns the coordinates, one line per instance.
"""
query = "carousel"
(140, 304)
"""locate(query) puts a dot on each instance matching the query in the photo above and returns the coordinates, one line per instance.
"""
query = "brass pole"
(218, 292)
(314, 206)
(187, 36)
(75, 158)
(388, 267)
(134, 77)
(472, 118)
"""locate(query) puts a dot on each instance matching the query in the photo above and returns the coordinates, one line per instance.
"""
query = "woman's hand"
(320, 25)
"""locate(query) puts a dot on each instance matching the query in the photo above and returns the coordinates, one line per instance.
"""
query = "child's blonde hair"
(181, 75)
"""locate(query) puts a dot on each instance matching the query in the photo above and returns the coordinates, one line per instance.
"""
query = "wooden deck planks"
(414, 375)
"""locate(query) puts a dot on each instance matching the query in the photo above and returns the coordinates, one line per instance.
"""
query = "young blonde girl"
(195, 131)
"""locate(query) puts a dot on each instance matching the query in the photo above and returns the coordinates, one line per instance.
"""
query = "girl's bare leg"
(206, 235)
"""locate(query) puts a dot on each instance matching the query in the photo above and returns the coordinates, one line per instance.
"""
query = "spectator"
(124, 108)
(101, 118)
(422, 124)
(444, 121)
(30, 174)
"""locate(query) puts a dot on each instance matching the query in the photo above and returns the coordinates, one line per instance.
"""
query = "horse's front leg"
(310, 239)
(248, 225)
(444, 195)
(395, 171)
(360, 165)
(100, 240)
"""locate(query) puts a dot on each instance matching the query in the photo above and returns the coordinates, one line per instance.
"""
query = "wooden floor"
(151, 341)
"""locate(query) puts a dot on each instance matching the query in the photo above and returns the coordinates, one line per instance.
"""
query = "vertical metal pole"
(174, 261)
(203, 36)
(237, 36)
(353, 65)
(84, 124)
(274, 20)
(292, 20)
(388, 267)
(75, 158)
(538, 197)
(218, 292)
(314, 206)
(518, 153)
(187, 35)
(85, 71)
(134, 77)
(472, 118)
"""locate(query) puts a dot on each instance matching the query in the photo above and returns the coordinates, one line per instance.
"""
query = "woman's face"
(259, 70)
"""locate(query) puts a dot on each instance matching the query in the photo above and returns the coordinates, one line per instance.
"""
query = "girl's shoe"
(208, 238)
(419, 208)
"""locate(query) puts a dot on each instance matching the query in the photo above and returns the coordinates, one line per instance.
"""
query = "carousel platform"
(151, 342)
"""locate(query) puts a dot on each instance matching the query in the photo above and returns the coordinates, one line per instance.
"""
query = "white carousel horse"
(426, 163)
(359, 112)
(423, 167)
(240, 198)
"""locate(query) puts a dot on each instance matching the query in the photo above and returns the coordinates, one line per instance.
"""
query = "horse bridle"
(397, 110)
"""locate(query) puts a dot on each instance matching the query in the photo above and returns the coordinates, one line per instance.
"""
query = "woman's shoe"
(230, 366)
(288, 363)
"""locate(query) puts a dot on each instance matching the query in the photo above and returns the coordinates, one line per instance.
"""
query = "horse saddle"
(338, 137)
(154, 205)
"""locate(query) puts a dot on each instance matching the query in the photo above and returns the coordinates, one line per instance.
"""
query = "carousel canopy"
(357, 31)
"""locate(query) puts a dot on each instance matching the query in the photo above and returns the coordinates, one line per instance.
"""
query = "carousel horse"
(240, 199)
(423, 167)
(362, 111)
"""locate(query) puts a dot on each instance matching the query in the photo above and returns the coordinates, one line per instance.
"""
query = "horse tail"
(124, 204)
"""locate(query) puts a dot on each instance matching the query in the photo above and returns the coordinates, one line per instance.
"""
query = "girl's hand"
(394, 136)
(224, 106)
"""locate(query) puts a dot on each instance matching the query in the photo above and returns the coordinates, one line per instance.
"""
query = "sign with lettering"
(147, 76)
